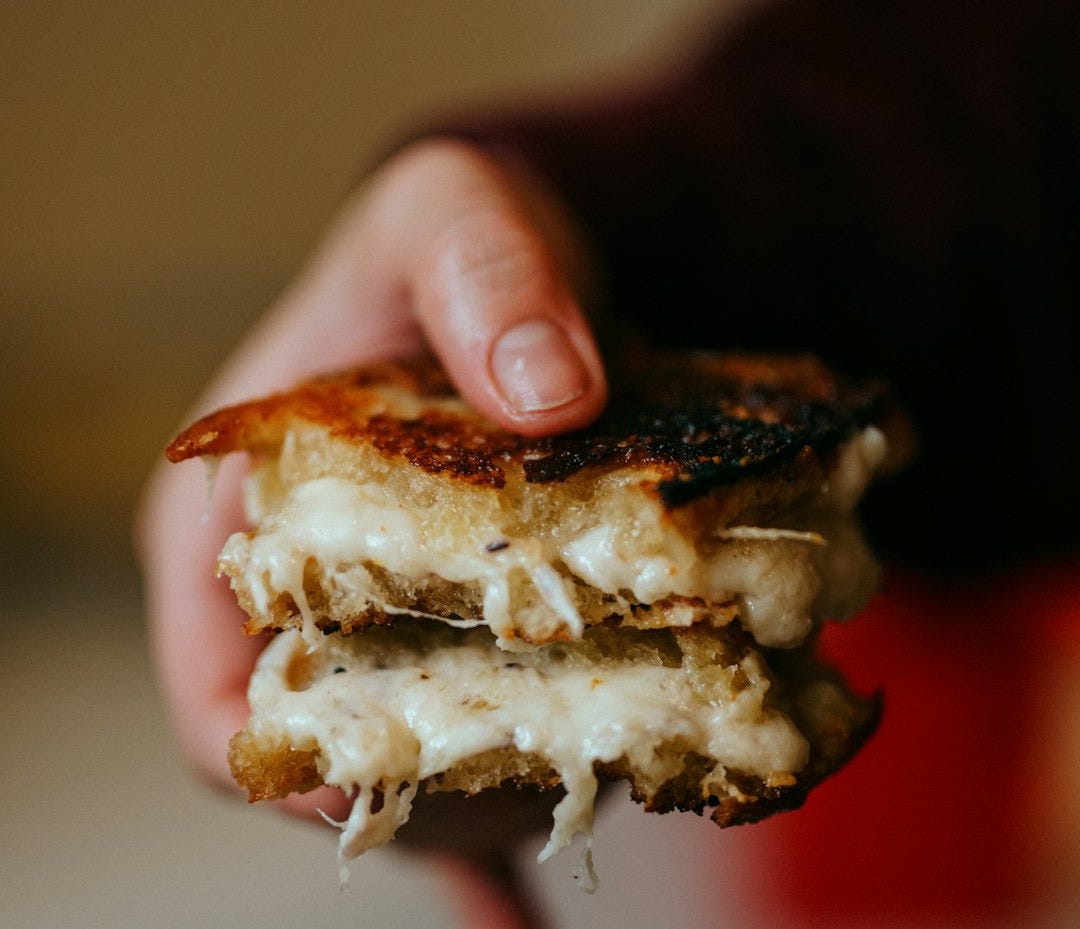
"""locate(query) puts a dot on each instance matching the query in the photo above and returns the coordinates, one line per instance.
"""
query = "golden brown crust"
(272, 772)
(698, 420)
(353, 406)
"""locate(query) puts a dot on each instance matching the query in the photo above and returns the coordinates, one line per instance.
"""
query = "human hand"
(443, 247)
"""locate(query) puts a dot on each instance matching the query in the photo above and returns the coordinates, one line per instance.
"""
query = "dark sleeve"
(891, 185)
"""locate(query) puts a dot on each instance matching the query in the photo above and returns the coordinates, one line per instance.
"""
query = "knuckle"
(486, 250)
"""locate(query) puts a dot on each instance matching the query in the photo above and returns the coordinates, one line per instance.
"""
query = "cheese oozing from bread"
(391, 709)
(541, 563)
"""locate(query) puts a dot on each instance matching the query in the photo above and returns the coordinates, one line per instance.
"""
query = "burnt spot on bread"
(438, 442)
(698, 420)
(706, 420)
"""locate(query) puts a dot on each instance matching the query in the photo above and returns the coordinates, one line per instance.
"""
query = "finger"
(444, 243)
(494, 302)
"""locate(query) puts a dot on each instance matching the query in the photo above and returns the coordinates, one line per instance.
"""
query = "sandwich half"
(456, 608)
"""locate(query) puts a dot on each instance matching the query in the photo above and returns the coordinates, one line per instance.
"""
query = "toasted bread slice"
(714, 487)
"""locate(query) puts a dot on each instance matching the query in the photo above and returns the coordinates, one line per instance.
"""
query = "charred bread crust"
(698, 420)
(706, 420)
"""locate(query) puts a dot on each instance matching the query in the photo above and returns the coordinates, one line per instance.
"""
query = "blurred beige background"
(166, 168)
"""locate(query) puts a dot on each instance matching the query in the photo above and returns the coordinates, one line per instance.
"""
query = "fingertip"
(545, 376)
(493, 289)
(508, 327)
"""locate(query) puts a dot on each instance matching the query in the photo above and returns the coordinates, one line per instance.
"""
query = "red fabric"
(933, 822)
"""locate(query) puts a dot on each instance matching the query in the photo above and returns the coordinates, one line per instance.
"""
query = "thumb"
(489, 293)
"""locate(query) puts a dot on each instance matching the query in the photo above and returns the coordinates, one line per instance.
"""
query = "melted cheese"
(782, 576)
(397, 713)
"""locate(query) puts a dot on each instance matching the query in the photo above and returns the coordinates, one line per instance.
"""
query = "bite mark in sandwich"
(460, 608)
